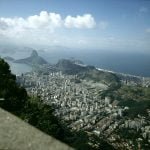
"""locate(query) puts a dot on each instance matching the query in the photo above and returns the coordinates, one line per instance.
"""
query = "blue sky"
(93, 24)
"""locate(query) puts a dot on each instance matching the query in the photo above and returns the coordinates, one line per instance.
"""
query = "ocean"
(19, 69)
(123, 62)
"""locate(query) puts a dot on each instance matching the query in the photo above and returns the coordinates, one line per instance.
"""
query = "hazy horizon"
(101, 25)
(110, 34)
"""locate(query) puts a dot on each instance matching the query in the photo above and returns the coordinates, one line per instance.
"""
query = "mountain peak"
(33, 59)
(34, 53)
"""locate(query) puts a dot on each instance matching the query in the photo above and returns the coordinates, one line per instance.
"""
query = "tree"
(14, 95)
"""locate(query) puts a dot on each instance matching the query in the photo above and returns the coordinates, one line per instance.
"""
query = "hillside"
(87, 72)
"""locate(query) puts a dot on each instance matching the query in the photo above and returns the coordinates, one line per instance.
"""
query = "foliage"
(136, 93)
(136, 98)
(107, 78)
(15, 96)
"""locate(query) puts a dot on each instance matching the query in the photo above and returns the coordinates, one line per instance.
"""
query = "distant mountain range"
(33, 59)
(73, 66)
(8, 58)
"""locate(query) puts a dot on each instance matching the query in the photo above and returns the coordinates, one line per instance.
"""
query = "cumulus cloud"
(42, 28)
(47, 20)
(44, 20)
(85, 21)
(3, 25)
(42, 25)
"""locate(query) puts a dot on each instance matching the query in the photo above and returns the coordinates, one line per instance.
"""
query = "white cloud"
(34, 29)
(85, 21)
(42, 21)
(45, 19)
(103, 25)
(3, 25)
(43, 28)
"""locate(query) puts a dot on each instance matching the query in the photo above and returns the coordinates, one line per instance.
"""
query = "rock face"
(34, 59)
(16, 134)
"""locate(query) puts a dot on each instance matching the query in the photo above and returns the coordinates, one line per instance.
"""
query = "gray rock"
(15, 134)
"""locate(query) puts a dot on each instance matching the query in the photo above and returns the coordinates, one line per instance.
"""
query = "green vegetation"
(107, 78)
(136, 93)
(136, 98)
(68, 67)
(15, 96)
(88, 73)
(132, 135)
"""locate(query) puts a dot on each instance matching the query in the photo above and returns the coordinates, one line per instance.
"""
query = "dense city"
(79, 103)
